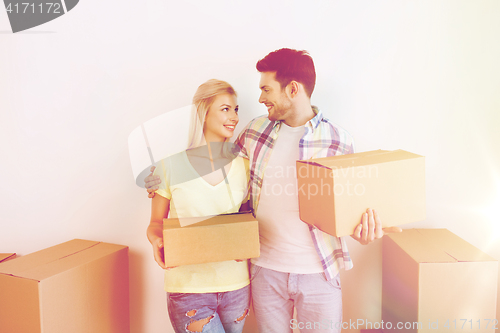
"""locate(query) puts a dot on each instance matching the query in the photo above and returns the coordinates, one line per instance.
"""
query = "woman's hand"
(158, 252)
(159, 210)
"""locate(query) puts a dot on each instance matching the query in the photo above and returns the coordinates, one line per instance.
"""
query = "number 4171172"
(470, 324)
(27, 8)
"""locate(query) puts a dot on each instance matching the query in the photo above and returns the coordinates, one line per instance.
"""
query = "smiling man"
(299, 264)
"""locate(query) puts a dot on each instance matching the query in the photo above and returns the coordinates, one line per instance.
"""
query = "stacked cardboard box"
(78, 286)
(434, 281)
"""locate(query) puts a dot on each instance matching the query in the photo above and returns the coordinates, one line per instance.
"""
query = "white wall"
(423, 76)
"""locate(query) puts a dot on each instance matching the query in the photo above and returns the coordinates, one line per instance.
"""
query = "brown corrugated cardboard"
(78, 286)
(435, 279)
(6, 256)
(335, 191)
(217, 238)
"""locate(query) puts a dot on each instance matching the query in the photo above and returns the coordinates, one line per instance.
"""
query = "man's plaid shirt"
(321, 139)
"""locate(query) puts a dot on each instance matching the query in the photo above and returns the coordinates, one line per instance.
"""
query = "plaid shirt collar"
(312, 123)
(316, 120)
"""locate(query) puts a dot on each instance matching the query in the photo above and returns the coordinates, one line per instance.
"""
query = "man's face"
(276, 100)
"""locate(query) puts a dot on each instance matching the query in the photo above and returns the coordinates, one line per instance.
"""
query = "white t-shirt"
(286, 244)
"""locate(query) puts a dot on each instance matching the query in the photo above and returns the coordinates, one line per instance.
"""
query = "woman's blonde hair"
(202, 101)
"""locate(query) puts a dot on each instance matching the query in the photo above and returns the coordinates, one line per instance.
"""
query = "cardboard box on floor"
(433, 277)
(335, 191)
(215, 238)
(6, 256)
(78, 286)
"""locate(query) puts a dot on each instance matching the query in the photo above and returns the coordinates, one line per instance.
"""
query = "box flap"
(72, 261)
(419, 247)
(362, 159)
(6, 256)
(437, 246)
(455, 246)
(32, 261)
(172, 223)
(323, 160)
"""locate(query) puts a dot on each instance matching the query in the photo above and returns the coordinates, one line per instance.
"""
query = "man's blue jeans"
(226, 311)
(274, 295)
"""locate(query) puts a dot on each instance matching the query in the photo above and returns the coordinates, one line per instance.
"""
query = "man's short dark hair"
(290, 65)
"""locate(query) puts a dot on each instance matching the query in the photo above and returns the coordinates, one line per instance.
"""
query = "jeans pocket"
(254, 271)
(176, 296)
(334, 282)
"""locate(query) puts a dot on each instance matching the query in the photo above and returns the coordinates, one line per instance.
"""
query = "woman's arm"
(160, 207)
(245, 206)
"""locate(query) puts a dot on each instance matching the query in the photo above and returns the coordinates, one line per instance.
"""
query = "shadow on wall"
(137, 290)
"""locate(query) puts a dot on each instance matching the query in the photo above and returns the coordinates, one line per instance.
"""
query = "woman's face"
(221, 118)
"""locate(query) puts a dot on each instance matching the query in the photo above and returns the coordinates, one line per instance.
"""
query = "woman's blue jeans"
(223, 312)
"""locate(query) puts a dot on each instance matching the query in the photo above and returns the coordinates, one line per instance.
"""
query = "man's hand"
(370, 228)
(151, 182)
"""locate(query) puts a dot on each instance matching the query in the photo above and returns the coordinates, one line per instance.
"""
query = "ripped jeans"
(209, 312)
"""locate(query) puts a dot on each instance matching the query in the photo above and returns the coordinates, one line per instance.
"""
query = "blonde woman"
(206, 179)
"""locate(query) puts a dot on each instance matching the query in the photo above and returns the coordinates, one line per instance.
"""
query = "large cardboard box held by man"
(434, 281)
(335, 191)
(79, 286)
(215, 238)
